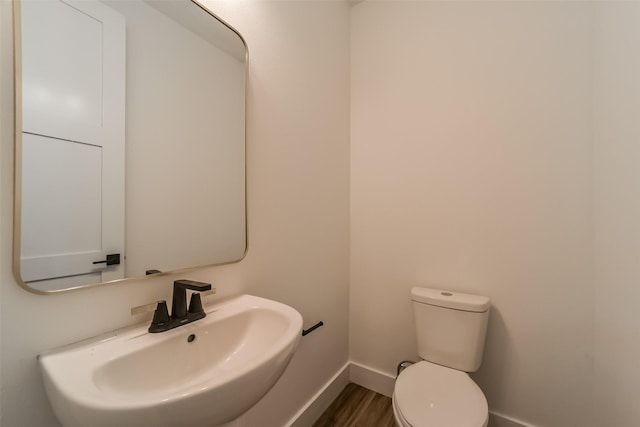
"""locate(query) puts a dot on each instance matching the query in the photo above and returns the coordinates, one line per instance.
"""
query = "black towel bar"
(311, 329)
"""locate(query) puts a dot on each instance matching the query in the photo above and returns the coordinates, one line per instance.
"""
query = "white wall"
(617, 213)
(298, 162)
(494, 151)
(471, 170)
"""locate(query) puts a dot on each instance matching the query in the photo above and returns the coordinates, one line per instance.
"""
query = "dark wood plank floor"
(358, 407)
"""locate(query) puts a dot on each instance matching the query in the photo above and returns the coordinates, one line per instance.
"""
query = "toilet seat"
(430, 395)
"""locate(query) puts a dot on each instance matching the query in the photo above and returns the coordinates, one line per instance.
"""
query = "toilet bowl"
(430, 395)
(437, 391)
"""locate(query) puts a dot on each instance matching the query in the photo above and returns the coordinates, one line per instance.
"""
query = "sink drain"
(191, 337)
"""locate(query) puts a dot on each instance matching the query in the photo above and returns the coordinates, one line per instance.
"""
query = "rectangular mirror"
(130, 141)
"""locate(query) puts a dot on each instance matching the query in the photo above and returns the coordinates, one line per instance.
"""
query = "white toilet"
(437, 391)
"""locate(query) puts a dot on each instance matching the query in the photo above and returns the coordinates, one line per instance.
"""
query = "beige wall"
(617, 213)
(471, 170)
(298, 162)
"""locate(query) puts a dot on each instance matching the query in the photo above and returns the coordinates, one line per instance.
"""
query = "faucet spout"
(179, 303)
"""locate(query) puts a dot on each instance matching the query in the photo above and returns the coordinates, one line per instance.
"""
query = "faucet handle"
(160, 311)
(195, 305)
(144, 308)
(161, 315)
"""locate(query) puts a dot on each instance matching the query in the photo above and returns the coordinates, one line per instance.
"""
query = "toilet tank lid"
(449, 299)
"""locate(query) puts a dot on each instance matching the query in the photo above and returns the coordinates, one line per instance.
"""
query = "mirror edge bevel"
(17, 161)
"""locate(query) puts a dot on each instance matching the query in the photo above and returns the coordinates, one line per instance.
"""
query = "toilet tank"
(451, 327)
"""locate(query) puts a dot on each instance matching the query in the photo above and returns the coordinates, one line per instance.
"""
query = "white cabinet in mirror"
(130, 141)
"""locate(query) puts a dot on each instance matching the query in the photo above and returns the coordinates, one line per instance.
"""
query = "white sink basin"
(133, 378)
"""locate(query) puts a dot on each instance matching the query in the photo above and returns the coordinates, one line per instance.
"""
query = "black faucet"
(179, 314)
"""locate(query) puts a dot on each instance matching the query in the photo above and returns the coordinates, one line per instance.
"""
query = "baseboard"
(312, 410)
(497, 419)
(375, 380)
(383, 383)
(372, 379)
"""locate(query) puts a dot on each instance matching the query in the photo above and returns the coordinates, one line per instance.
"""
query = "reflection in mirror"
(130, 154)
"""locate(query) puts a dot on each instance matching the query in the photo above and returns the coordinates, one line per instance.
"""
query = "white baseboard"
(500, 420)
(375, 380)
(383, 383)
(370, 378)
(312, 410)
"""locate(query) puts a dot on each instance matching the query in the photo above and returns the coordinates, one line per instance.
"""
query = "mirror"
(130, 141)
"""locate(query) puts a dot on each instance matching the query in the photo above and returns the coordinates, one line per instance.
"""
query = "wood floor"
(358, 407)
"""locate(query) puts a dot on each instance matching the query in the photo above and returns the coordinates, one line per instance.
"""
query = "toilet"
(437, 391)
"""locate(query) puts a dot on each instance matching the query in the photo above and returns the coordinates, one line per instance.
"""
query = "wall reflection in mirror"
(130, 141)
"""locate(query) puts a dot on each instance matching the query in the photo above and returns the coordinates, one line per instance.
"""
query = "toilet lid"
(432, 395)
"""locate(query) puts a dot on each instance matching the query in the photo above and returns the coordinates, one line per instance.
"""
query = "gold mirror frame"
(17, 168)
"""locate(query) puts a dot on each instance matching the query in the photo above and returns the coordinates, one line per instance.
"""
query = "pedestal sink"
(206, 373)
